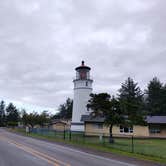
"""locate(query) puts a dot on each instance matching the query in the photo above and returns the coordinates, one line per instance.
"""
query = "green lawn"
(153, 147)
(149, 149)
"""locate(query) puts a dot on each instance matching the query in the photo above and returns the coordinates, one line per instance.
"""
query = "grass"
(147, 149)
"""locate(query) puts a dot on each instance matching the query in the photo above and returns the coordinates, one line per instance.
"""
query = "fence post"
(70, 135)
(55, 133)
(103, 139)
(64, 136)
(41, 131)
(83, 137)
(132, 144)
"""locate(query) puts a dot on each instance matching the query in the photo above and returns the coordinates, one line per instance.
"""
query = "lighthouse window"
(86, 83)
(82, 75)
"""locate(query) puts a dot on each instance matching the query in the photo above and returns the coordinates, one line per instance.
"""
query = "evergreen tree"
(131, 102)
(2, 113)
(12, 115)
(65, 110)
(163, 100)
(102, 106)
(156, 97)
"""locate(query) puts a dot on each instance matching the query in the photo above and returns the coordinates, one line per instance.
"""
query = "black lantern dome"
(82, 72)
(82, 66)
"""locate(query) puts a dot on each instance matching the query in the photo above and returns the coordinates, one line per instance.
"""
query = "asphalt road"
(17, 150)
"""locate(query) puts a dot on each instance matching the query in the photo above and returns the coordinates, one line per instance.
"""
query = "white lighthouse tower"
(82, 90)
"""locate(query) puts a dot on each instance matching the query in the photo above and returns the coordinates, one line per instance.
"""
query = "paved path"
(17, 150)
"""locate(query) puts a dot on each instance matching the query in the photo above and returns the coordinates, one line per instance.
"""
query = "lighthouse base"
(77, 127)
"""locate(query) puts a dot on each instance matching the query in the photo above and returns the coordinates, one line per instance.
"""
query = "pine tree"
(131, 101)
(156, 97)
(163, 100)
(65, 110)
(12, 115)
(103, 106)
(2, 113)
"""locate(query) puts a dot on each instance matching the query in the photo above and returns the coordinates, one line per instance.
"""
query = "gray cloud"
(41, 42)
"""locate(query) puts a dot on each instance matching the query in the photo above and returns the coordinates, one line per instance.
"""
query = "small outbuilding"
(60, 125)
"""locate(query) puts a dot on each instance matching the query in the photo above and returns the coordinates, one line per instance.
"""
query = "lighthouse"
(82, 90)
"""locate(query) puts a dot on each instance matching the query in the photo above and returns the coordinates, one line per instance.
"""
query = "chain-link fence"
(127, 143)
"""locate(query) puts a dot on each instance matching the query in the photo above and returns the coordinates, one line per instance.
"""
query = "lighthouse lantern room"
(82, 90)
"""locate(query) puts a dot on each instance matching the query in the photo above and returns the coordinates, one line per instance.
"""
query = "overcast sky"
(42, 41)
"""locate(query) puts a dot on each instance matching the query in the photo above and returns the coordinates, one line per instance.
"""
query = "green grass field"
(149, 149)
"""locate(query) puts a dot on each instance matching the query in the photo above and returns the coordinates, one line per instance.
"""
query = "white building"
(82, 90)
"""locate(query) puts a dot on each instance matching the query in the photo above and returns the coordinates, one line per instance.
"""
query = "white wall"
(81, 97)
(82, 91)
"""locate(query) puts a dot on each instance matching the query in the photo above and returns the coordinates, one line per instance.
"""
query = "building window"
(98, 126)
(126, 129)
(155, 130)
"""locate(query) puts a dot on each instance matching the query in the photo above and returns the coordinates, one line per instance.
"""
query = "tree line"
(130, 101)
(10, 116)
